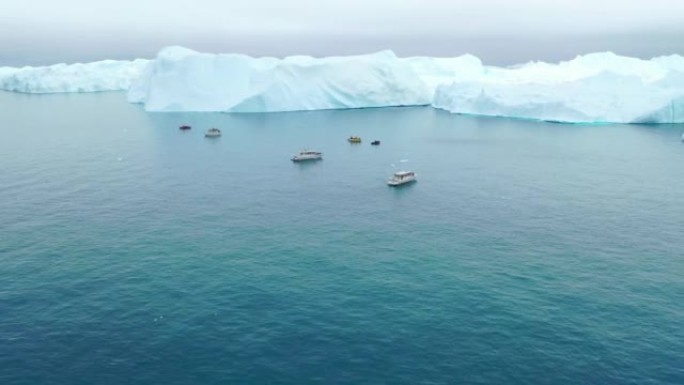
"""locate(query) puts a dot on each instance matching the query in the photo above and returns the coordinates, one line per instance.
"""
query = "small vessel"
(402, 177)
(307, 155)
(375, 143)
(354, 139)
(184, 127)
(213, 133)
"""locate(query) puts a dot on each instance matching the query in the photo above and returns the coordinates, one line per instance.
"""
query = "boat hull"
(396, 183)
(305, 159)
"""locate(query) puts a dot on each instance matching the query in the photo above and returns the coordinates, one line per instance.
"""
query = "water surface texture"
(527, 253)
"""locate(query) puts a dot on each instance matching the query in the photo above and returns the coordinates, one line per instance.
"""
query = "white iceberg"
(598, 87)
(180, 79)
(183, 80)
(594, 88)
(606, 97)
(438, 70)
(106, 75)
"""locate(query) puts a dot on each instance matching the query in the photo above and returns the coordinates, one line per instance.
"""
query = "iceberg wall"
(106, 75)
(183, 80)
(180, 79)
(595, 88)
(606, 97)
(598, 87)
(438, 70)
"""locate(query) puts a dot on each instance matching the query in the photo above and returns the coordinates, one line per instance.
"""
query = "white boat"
(402, 177)
(212, 133)
(307, 155)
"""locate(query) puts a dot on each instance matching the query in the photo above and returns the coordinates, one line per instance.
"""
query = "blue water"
(527, 253)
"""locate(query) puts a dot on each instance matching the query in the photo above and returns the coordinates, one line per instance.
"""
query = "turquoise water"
(527, 253)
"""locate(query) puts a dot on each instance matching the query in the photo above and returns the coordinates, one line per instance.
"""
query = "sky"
(35, 32)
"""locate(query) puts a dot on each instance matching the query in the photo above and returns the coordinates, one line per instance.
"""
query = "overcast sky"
(500, 31)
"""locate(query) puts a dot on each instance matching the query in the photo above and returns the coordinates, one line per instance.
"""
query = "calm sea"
(527, 253)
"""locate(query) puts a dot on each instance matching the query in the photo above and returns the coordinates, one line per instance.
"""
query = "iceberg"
(106, 75)
(603, 98)
(180, 79)
(438, 70)
(597, 87)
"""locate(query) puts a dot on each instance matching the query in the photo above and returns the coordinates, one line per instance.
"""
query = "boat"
(401, 177)
(354, 139)
(307, 155)
(213, 133)
(184, 127)
(375, 143)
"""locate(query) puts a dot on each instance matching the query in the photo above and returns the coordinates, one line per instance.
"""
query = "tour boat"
(307, 155)
(402, 177)
(213, 132)
(354, 139)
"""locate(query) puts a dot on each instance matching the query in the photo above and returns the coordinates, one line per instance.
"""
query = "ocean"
(526, 253)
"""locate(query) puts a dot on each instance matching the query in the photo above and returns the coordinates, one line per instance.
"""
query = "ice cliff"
(183, 80)
(106, 75)
(600, 87)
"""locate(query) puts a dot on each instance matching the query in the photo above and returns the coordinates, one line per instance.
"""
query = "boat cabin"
(404, 174)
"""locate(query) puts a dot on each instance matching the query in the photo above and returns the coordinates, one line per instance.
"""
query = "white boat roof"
(403, 173)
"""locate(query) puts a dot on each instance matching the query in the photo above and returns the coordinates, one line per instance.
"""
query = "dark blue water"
(527, 253)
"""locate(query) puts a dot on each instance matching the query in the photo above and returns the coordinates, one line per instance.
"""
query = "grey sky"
(39, 30)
